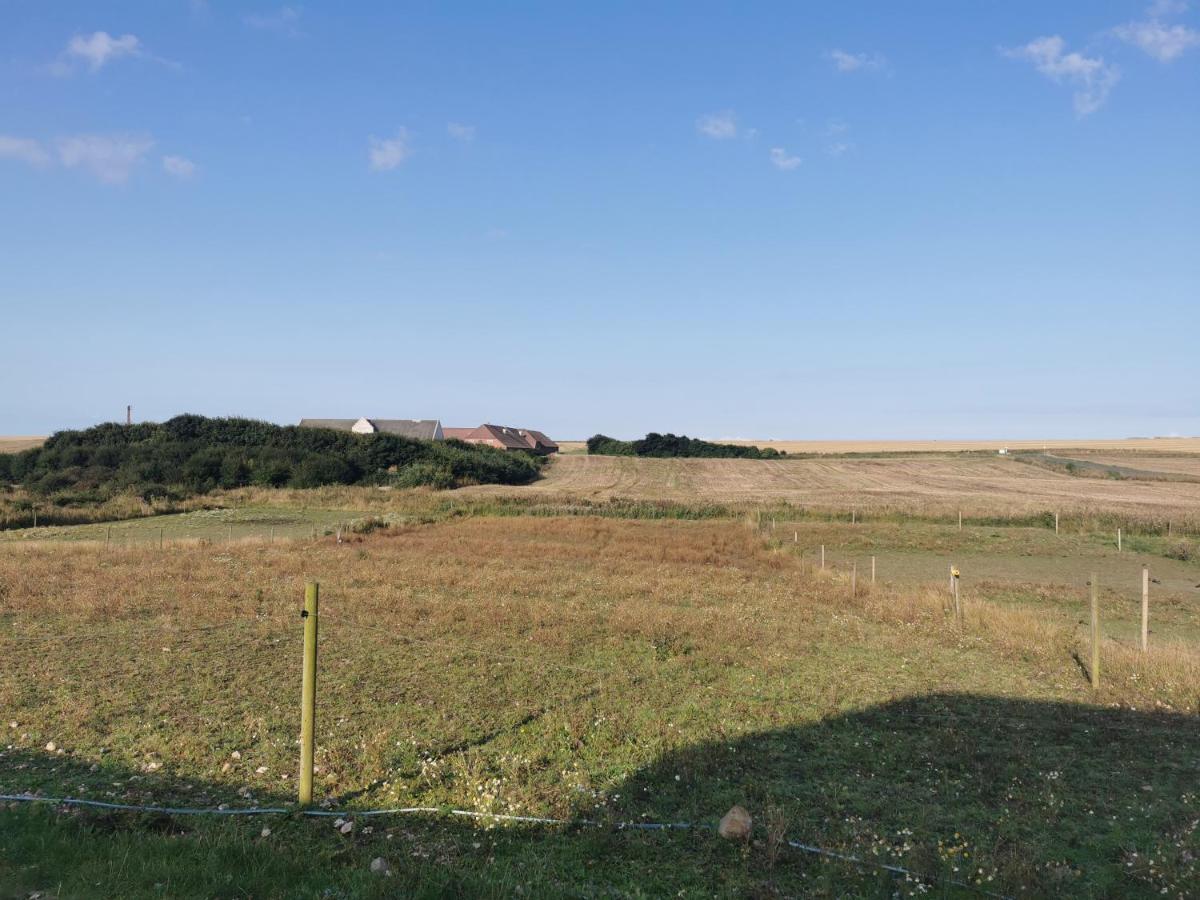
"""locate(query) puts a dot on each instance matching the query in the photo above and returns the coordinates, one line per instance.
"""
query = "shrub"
(1184, 551)
(602, 444)
(670, 445)
(192, 454)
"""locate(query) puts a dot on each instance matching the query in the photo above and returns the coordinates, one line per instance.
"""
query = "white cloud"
(719, 126)
(109, 157)
(386, 154)
(460, 132)
(285, 21)
(1091, 76)
(783, 162)
(179, 166)
(99, 48)
(854, 62)
(24, 150)
(1160, 40)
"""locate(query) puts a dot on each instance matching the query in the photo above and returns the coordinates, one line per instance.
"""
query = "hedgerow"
(668, 445)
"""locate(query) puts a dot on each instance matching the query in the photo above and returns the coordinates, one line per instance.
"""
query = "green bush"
(603, 445)
(193, 455)
(670, 445)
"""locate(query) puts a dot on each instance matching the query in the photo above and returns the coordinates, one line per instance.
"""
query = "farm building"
(505, 438)
(422, 429)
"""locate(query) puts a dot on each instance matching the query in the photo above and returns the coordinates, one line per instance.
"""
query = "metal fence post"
(308, 701)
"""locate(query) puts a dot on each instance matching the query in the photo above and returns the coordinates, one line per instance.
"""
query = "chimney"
(128, 415)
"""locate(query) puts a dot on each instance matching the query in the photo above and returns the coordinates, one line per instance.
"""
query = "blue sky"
(793, 220)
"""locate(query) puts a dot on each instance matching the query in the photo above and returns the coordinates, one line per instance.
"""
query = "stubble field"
(981, 486)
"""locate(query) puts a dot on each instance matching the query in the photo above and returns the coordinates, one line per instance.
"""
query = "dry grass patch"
(615, 669)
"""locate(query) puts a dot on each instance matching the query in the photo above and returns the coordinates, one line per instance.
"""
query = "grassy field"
(236, 523)
(612, 669)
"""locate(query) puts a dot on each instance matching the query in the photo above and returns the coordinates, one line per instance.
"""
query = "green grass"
(575, 667)
(1027, 566)
(216, 525)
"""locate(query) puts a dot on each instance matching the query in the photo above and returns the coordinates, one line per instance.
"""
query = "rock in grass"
(380, 866)
(735, 825)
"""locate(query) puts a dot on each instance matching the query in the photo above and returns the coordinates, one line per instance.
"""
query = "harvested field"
(1154, 445)
(15, 444)
(918, 484)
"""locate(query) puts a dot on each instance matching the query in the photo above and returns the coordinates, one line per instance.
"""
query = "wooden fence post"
(1056, 523)
(958, 610)
(1095, 634)
(872, 570)
(308, 693)
(160, 537)
(822, 557)
(1118, 540)
(854, 579)
(1145, 608)
(960, 520)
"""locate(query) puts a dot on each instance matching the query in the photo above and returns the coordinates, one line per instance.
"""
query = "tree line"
(192, 454)
(668, 445)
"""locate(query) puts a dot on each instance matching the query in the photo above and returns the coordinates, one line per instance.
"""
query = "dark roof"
(540, 438)
(336, 424)
(423, 429)
(510, 438)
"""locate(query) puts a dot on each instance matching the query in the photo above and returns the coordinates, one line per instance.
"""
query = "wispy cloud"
(460, 132)
(1157, 38)
(1090, 76)
(836, 136)
(856, 62)
(100, 47)
(718, 126)
(386, 154)
(96, 50)
(111, 158)
(782, 161)
(285, 21)
(108, 157)
(179, 166)
(24, 150)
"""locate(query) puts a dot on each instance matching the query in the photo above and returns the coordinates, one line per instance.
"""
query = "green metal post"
(308, 701)
(1095, 634)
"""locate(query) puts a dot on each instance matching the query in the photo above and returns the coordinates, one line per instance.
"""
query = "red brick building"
(504, 438)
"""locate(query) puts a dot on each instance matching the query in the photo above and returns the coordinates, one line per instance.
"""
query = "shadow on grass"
(1014, 797)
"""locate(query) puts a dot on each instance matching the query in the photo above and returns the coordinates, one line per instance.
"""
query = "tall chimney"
(128, 415)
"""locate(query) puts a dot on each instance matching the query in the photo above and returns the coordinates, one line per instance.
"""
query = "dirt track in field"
(928, 484)
(1177, 465)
